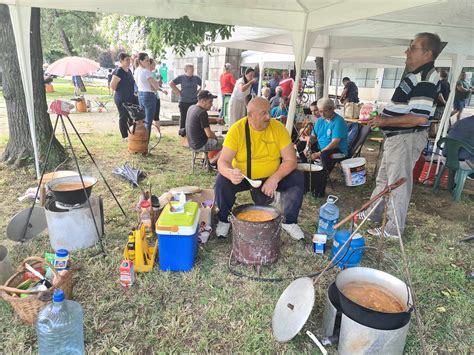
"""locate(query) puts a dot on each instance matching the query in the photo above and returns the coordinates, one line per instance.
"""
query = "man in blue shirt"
(330, 131)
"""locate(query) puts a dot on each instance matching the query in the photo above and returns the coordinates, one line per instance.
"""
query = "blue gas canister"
(328, 217)
(352, 254)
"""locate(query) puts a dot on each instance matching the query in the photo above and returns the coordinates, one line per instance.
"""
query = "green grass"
(63, 88)
(210, 310)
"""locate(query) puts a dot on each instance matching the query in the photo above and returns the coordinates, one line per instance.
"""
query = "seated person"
(305, 132)
(281, 112)
(272, 160)
(266, 92)
(275, 100)
(199, 134)
(330, 131)
(463, 130)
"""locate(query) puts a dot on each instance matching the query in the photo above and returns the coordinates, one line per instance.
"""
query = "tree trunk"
(64, 38)
(319, 78)
(19, 149)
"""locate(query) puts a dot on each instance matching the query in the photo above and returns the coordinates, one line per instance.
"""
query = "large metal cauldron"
(256, 243)
(369, 317)
(73, 196)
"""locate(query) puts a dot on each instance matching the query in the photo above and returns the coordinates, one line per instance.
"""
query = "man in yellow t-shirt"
(273, 160)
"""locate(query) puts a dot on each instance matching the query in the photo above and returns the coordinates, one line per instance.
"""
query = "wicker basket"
(29, 307)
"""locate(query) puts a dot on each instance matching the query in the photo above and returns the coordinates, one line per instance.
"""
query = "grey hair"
(188, 65)
(227, 66)
(326, 103)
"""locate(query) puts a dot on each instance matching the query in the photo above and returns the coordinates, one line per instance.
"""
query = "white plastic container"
(6, 269)
(354, 171)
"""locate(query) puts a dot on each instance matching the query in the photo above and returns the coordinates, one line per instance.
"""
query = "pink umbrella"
(72, 66)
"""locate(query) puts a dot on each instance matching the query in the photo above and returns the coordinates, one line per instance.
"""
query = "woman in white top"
(237, 107)
(147, 87)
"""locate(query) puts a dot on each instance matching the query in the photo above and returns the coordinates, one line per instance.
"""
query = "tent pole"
(337, 69)
(260, 74)
(300, 52)
(20, 17)
(457, 65)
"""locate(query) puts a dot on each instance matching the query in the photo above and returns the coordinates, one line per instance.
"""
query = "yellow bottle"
(131, 247)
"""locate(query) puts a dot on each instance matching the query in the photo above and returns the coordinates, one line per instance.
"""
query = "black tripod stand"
(66, 133)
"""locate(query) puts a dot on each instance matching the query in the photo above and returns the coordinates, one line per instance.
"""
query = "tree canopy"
(67, 33)
(140, 33)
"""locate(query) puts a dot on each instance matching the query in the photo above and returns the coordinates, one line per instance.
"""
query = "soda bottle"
(60, 327)
(328, 217)
(131, 246)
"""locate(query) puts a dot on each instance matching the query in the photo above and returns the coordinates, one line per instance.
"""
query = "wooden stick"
(389, 188)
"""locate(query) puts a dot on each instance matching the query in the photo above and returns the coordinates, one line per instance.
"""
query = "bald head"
(258, 113)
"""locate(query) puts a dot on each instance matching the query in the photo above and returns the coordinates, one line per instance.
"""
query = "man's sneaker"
(293, 230)
(361, 216)
(377, 232)
(222, 229)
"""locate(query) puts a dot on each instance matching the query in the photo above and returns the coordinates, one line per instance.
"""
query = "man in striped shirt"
(405, 123)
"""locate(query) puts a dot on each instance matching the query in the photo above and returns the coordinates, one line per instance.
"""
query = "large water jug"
(328, 217)
(60, 327)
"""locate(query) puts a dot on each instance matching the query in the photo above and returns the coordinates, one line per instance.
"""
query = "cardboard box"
(205, 195)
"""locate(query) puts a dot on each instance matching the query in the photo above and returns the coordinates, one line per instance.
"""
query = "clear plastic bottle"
(60, 327)
(145, 215)
(328, 217)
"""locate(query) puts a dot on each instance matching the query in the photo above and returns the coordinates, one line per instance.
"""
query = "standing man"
(227, 81)
(463, 89)
(404, 123)
(199, 133)
(272, 160)
(274, 82)
(350, 92)
(443, 94)
(190, 84)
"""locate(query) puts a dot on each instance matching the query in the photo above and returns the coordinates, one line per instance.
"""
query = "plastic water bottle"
(60, 327)
(328, 217)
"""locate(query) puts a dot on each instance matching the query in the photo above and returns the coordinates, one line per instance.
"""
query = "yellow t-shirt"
(265, 147)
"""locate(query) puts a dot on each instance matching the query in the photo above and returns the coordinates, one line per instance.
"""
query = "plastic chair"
(225, 107)
(458, 170)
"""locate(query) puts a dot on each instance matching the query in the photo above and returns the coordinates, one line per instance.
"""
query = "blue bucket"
(352, 254)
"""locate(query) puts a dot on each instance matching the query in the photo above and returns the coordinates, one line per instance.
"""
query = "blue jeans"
(291, 187)
(147, 99)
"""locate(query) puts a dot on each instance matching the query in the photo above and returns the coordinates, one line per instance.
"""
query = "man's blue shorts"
(459, 104)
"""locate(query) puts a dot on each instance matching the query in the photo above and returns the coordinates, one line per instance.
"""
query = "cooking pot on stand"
(73, 196)
(369, 317)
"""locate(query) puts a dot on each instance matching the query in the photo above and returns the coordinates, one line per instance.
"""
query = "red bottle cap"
(145, 204)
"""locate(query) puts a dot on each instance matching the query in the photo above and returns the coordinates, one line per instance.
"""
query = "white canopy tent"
(302, 18)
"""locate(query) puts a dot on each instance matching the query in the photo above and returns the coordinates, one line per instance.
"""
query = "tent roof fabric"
(288, 15)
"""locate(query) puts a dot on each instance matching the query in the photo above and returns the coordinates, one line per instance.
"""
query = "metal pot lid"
(36, 225)
(293, 309)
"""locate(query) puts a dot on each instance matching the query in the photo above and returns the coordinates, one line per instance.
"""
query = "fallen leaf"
(115, 350)
(454, 266)
(441, 310)
(446, 293)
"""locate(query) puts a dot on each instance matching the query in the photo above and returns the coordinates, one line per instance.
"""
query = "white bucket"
(354, 171)
(6, 269)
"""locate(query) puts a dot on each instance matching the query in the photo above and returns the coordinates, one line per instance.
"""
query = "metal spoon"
(255, 183)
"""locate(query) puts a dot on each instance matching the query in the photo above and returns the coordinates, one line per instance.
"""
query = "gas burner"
(63, 206)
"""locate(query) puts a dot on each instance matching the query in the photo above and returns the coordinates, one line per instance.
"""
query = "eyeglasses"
(410, 48)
